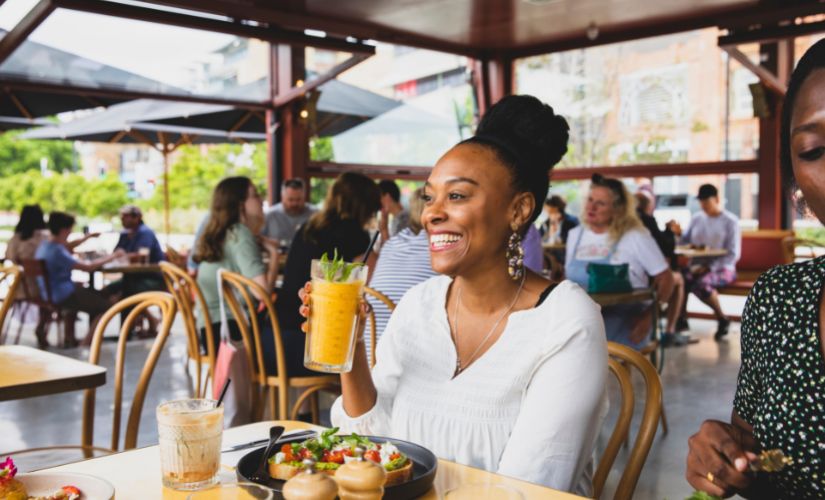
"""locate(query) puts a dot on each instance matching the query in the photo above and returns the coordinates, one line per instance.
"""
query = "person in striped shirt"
(403, 263)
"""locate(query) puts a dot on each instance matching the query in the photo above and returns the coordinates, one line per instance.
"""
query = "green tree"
(105, 196)
(18, 155)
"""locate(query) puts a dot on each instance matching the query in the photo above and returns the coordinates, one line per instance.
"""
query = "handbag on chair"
(232, 362)
(608, 278)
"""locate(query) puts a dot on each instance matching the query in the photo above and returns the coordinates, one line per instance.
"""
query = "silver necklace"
(458, 367)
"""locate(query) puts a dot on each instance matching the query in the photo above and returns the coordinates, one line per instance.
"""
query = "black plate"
(424, 466)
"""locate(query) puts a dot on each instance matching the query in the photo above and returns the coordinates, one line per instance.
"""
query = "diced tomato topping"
(287, 451)
(305, 453)
(373, 455)
(347, 452)
(335, 457)
(394, 456)
(71, 490)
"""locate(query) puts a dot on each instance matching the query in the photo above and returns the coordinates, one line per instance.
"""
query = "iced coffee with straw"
(337, 288)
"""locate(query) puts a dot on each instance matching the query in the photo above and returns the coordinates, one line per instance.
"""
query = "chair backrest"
(622, 359)
(373, 330)
(235, 286)
(764, 249)
(9, 278)
(187, 293)
(140, 303)
(33, 269)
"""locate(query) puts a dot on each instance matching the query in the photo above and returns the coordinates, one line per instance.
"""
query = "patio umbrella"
(129, 122)
(13, 122)
(33, 62)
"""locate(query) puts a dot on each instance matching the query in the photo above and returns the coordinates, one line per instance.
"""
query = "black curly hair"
(529, 138)
(813, 59)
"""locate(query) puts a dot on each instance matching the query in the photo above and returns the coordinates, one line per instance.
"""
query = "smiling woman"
(489, 365)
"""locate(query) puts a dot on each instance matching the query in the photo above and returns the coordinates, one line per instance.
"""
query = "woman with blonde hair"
(612, 234)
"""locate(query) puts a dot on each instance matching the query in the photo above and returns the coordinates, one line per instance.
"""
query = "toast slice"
(285, 472)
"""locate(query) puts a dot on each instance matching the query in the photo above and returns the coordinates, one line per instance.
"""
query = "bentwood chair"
(140, 303)
(10, 280)
(187, 294)
(48, 310)
(238, 290)
(371, 317)
(622, 360)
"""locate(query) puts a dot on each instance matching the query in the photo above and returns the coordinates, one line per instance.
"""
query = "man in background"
(713, 227)
(282, 220)
(394, 217)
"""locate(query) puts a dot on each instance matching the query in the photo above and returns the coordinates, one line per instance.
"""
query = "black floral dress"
(781, 387)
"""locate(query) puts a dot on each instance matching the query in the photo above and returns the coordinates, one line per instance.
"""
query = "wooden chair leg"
(273, 412)
(313, 408)
(283, 402)
(664, 420)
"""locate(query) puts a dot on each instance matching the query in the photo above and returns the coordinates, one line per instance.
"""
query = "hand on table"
(719, 458)
(273, 247)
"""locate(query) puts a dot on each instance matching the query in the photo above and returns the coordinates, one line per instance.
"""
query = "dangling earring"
(515, 255)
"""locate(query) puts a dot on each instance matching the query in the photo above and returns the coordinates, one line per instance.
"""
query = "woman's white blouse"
(531, 407)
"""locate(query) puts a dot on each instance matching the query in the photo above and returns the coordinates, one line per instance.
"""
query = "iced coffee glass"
(189, 434)
(337, 288)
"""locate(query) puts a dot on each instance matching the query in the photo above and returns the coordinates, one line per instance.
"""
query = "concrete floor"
(699, 382)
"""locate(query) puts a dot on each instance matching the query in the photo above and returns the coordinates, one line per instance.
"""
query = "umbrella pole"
(166, 224)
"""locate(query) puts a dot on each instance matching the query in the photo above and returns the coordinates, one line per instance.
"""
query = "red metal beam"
(768, 79)
(18, 35)
(659, 170)
(332, 169)
(772, 34)
(296, 92)
(71, 89)
(270, 34)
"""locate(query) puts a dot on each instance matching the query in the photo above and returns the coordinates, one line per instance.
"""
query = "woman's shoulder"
(794, 279)
(569, 308)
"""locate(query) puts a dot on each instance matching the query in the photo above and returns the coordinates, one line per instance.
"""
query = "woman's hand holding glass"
(304, 294)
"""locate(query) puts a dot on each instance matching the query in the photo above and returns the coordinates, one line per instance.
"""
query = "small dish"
(46, 483)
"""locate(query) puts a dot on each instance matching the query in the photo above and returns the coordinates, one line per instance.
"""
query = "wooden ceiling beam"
(270, 34)
(771, 34)
(18, 35)
(270, 13)
(723, 18)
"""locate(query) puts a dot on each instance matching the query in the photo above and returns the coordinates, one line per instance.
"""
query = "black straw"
(369, 248)
(223, 391)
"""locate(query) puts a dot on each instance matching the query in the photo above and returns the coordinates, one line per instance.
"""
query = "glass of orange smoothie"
(337, 288)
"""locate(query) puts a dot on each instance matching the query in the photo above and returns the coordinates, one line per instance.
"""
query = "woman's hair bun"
(529, 138)
(532, 124)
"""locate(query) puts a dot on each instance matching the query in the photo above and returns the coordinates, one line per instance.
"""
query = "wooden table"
(136, 474)
(613, 299)
(130, 268)
(26, 372)
(694, 253)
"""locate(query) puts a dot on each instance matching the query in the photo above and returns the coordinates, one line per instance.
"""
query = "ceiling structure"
(515, 27)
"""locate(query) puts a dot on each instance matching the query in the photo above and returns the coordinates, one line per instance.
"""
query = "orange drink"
(337, 288)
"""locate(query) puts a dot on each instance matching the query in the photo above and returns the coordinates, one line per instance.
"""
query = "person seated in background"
(228, 242)
(283, 219)
(394, 217)
(712, 227)
(559, 223)
(29, 233)
(666, 240)
(404, 262)
(612, 233)
(59, 265)
(351, 203)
